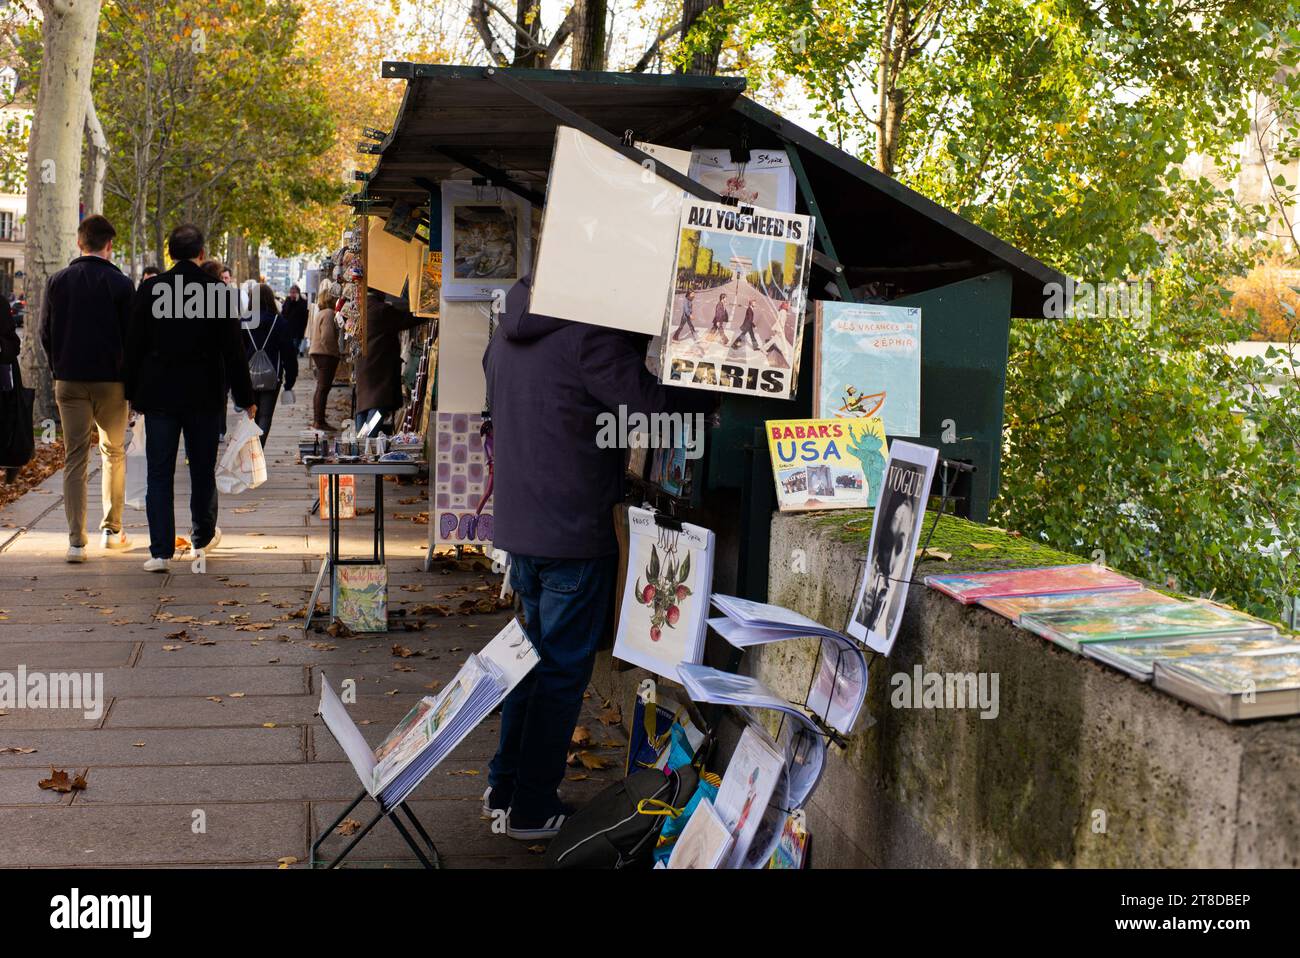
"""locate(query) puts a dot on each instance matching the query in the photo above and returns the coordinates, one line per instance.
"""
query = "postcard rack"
(950, 468)
(428, 856)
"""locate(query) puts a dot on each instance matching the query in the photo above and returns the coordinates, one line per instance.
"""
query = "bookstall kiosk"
(876, 241)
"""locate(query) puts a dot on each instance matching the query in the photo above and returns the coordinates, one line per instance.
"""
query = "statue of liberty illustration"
(866, 446)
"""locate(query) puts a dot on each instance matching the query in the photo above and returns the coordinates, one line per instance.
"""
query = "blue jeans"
(565, 602)
(162, 436)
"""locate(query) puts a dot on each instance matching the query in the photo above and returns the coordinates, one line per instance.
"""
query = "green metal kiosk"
(876, 240)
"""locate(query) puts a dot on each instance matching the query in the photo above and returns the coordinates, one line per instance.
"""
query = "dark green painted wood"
(965, 334)
(819, 221)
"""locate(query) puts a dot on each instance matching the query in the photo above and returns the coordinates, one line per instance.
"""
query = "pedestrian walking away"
(272, 358)
(178, 369)
(84, 318)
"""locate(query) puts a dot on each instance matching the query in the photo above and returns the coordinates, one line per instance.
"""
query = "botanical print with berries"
(664, 592)
(662, 620)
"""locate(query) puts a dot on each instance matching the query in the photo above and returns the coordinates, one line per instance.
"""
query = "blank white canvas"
(609, 235)
(462, 339)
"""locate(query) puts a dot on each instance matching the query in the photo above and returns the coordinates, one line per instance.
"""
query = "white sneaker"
(212, 543)
(114, 540)
(538, 832)
(76, 554)
(157, 565)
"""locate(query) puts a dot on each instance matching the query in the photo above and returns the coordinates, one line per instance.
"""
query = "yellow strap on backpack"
(653, 806)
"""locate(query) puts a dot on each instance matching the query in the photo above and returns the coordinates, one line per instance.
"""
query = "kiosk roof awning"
(459, 122)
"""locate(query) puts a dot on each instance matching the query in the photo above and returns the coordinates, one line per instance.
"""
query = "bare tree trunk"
(158, 226)
(253, 260)
(894, 39)
(478, 16)
(588, 51)
(236, 258)
(68, 31)
(92, 183)
(705, 62)
(528, 18)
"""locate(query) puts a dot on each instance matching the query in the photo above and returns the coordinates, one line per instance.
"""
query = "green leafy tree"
(212, 117)
(1069, 128)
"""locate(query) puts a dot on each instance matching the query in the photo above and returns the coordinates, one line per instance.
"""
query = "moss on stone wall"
(971, 544)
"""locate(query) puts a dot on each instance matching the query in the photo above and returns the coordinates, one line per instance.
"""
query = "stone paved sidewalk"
(221, 721)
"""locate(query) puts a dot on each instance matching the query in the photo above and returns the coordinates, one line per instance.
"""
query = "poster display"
(462, 480)
(804, 747)
(749, 785)
(827, 463)
(385, 259)
(361, 597)
(766, 179)
(415, 250)
(791, 851)
(608, 236)
(672, 471)
(347, 497)
(868, 363)
(428, 286)
(734, 319)
(463, 333)
(485, 240)
(663, 615)
(895, 531)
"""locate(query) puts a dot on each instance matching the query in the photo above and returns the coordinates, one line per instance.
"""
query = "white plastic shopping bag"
(242, 465)
(137, 467)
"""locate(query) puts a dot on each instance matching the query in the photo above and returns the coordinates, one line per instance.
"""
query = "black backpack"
(609, 832)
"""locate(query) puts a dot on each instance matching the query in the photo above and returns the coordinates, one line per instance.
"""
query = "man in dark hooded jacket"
(549, 381)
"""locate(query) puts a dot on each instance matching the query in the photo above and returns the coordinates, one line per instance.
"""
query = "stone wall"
(1075, 747)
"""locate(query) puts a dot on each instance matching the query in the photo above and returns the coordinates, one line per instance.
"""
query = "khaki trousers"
(83, 409)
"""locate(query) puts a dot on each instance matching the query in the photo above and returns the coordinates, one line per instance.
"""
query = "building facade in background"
(15, 130)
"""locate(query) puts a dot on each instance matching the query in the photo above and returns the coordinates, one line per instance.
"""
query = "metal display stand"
(332, 557)
(428, 856)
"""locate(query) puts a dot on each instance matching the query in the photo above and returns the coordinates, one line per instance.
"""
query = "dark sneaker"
(526, 830)
(492, 802)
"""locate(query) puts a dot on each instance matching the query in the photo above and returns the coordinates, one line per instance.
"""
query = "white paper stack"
(757, 623)
(840, 686)
(608, 245)
(802, 743)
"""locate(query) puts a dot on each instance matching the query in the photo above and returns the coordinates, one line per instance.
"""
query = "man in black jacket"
(183, 353)
(550, 384)
(83, 330)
